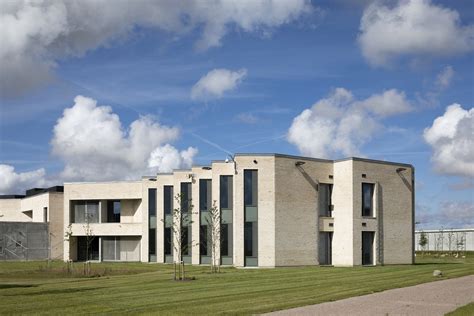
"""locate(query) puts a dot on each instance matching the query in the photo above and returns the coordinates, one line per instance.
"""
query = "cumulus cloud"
(412, 28)
(36, 34)
(12, 182)
(216, 82)
(94, 145)
(452, 139)
(166, 158)
(340, 124)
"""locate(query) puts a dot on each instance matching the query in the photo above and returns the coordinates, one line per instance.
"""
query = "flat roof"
(33, 192)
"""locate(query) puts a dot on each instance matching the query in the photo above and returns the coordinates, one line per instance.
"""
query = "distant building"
(276, 210)
(446, 239)
(31, 225)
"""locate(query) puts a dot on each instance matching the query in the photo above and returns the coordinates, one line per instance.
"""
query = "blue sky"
(296, 59)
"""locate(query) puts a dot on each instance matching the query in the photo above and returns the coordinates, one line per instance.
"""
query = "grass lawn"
(27, 287)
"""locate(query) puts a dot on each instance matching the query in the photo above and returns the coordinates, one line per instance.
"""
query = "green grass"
(466, 310)
(137, 288)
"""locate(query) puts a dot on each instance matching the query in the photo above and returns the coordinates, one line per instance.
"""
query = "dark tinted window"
(205, 190)
(250, 187)
(168, 199)
(226, 194)
(152, 202)
(367, 199)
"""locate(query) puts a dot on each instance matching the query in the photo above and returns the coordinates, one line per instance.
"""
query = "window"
(226, 194)
(204, 249)
(152, 242)
(325, 200)
(168, 199)
(250, 187)
(205, 197)
(368, 248)
(251, 217)
(152, 225)
(45, 214)
(168, 241)
(85, 212)
(186, 196)
(185, 240)
(226, 204)
(367, 199)
(152, 202)
(113, 211)
(250, 239)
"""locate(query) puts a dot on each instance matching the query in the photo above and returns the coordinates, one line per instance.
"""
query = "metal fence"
(23, 241)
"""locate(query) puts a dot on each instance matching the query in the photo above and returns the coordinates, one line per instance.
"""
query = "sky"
(91, 92)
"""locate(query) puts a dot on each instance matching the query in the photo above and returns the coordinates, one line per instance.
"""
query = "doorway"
(367, 248)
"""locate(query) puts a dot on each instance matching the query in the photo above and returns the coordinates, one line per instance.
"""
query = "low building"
(32, 225)
(275, 210)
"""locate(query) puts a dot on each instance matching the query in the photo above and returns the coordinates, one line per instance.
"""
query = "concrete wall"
(296, 208)
(447, 240)
(342, 197)
(23, 241)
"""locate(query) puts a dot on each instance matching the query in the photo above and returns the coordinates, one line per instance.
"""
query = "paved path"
(434, 298)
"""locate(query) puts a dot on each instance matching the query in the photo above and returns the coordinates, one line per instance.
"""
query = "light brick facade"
(282, 226)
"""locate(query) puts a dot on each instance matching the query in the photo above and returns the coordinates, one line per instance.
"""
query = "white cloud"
(36, 34)
(412, 28)
(339, 124)
(388, 103)
(444, 78)
(166, 158)
(448, 214)
(16, 183)
(452, 138)
(93, 145)
(216, 82)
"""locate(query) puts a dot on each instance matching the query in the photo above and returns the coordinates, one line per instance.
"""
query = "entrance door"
(367, 248)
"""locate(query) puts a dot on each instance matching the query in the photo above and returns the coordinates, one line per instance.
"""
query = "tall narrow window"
(251, 217)
(152, 225)
(226, 194)
(226, 206)
(205, 203)
(186, 234)
(168, 223)
(367, 199)
(325, 200)
(168, 199)
(185, 196)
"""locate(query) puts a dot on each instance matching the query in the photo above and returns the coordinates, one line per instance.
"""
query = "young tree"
(180, 241)
(423, 241)
(89, 235)
(213, 219)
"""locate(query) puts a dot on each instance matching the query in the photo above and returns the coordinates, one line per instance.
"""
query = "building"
(446, 239)
(31, 225)
(276, 210)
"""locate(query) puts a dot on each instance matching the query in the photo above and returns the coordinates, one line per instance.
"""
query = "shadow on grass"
(432, 263)
(10, 286)
(61, 291)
